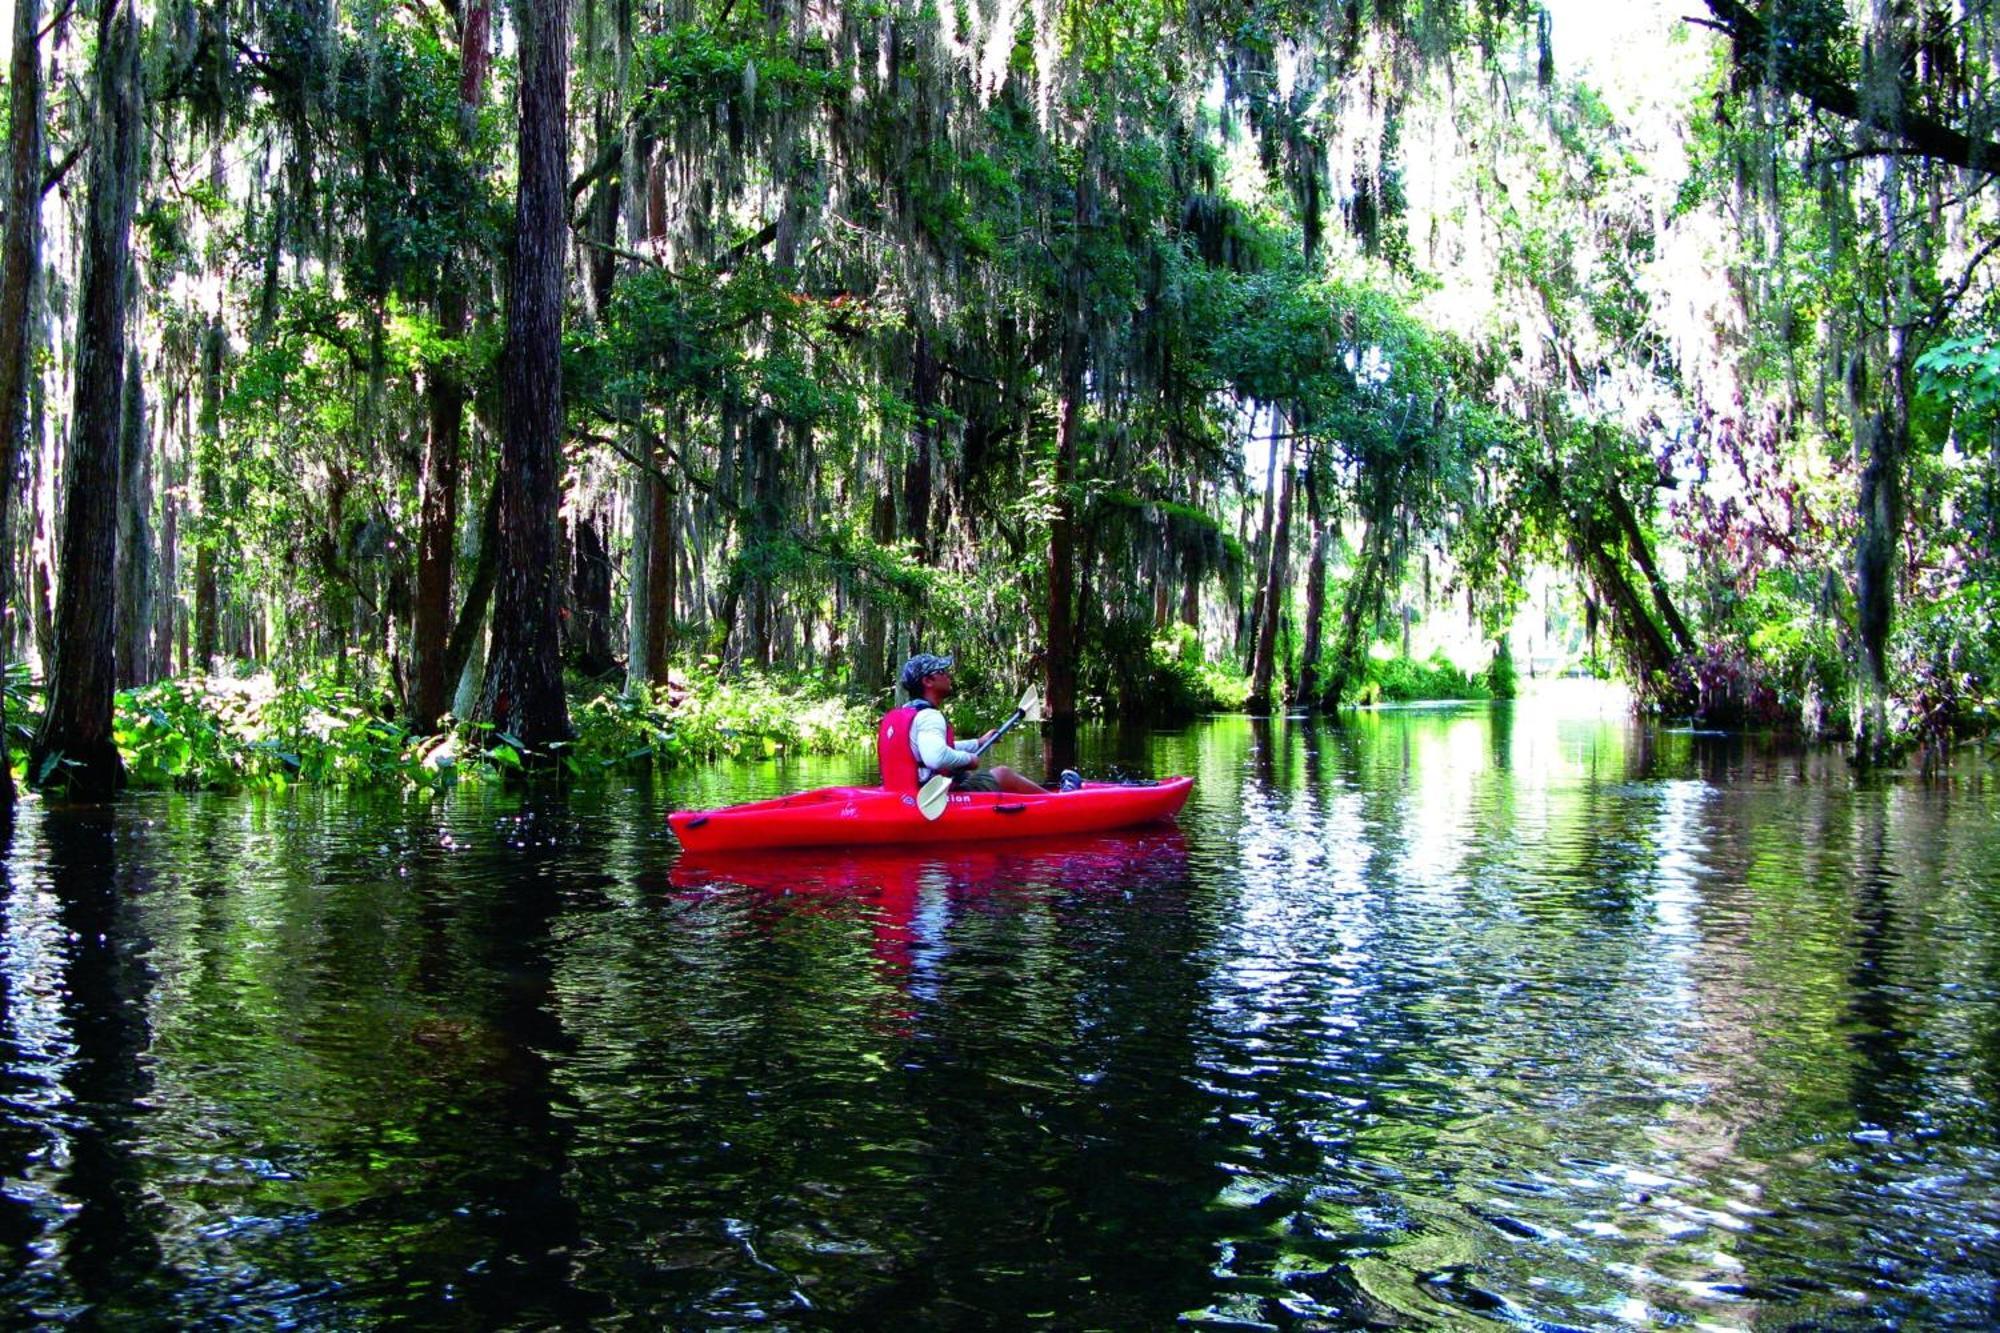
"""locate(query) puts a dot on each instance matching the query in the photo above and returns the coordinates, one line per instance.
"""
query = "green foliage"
(226, 734)
(1966, 373)
(1405, 680)
(229, 734)
(1499, 678)
(712, 717)
(1127, 672)
(1792, 640)
(1951, 649)
(24, 713)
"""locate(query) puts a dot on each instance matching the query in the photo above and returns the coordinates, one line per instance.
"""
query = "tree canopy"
(1142, 348)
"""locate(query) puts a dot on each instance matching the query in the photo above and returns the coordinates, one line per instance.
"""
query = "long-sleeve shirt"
(934, 754)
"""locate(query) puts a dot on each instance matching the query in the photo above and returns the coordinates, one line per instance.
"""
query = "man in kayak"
(914, 742)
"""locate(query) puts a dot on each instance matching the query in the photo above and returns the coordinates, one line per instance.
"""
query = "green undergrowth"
(219, 733)
(1409, 680)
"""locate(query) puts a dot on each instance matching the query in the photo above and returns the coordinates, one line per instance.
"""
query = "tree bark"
(1642, 555)
(523, 693)
(658, 590)
(1271, 604)
(74, 746)
(208, 467)
(166, 605)
(1358, 609)
(20, 271)
(430, 681)
(1247, 645)
(590, 597)
(135, 534)
(1309, 655)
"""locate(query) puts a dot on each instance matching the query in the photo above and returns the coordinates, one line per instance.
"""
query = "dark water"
(1444, 1018)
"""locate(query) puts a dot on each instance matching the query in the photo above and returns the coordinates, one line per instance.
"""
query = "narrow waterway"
(1439, 1017)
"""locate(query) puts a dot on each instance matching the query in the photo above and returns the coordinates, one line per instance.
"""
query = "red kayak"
(875, 816)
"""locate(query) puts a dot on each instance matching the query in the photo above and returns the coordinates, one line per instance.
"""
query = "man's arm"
(927, 739)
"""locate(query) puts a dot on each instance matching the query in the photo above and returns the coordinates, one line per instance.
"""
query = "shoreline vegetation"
(251, 732)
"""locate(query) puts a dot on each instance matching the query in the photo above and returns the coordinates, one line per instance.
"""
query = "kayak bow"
(875, 816)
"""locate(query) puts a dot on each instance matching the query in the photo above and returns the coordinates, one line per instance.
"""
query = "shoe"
(1071, 780)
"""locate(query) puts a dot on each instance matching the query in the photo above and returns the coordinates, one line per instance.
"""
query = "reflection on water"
(1440, 1017)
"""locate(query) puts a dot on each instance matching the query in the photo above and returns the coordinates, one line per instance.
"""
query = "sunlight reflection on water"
(1444, 1016)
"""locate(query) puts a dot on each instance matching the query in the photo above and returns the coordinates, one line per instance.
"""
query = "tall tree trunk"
(1249, 631)
(1656, 583)
(430, 681)
(466, 642)
(1358, 608)
(1277, 583)
(639, 573)
(1322, 540)
(658, 591)
(590, 597)
(523, 693)
(437, 528)
(20, 270)
(1882, 440)
(208, 467)
(76, 729)
(165, 603)
(135, 533)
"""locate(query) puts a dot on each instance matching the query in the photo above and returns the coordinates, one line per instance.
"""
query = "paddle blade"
(935, 795)
(1031, 705)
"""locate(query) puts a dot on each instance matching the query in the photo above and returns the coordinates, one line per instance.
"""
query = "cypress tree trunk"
(590, 597)
(523, 693)
(1272, 604)
(1357, 609)
(1309, 667)
(638, 576)
(135, 534)
(437, 529)
(165, 603)
(208, 461)
(20, 267)
(77, 726)
(1250, 629)
(658, 592)
(430, 680)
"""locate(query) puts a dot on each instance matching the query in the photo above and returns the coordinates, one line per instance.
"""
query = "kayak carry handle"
(1009, 809)
(697, 821)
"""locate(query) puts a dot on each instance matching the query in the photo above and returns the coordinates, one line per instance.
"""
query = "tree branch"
(1781, 66)
(61, 169)
(1948, 300)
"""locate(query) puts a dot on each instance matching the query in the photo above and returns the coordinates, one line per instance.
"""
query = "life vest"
(892, 746)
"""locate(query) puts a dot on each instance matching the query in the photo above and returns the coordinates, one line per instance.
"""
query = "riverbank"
(228, 733)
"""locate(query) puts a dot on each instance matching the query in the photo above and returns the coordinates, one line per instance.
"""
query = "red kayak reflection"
(910, 893)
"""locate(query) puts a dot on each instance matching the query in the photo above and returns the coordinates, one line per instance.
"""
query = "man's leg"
(1012, 781)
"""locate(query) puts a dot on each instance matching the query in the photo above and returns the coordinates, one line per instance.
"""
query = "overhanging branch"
(1782, 66)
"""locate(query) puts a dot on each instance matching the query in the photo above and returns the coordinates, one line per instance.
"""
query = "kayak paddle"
(936, 793)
